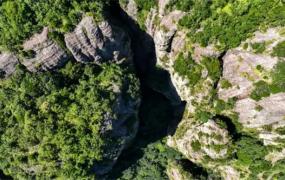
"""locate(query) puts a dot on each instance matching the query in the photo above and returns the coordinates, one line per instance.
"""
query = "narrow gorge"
(134, 89)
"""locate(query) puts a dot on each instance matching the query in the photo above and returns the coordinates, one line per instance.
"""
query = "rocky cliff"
(242, 84)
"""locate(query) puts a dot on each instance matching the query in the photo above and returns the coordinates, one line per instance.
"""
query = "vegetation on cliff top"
(20, 19)
(226, 22)
(51, 123)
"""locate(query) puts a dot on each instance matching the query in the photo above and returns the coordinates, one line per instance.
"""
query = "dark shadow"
(4, 177)
(231, 127)
(196, 171)
(161, 109)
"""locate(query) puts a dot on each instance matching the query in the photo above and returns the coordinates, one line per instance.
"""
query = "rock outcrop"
(8, 63)
(243, 67)
(201, 141)
(97, 43)
(240, 68)
(46, 54)
(123, 128)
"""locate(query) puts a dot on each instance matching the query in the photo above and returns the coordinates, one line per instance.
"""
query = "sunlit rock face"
(8, 63)
(240, 69)
(45, 53)
(201, 141)
(243, 67)
(92, 42)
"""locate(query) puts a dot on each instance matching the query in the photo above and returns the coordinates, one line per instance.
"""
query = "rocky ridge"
(241, 69)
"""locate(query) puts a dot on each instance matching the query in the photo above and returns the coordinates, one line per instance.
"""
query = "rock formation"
(97, 43)
(46, 54)
(8, 63)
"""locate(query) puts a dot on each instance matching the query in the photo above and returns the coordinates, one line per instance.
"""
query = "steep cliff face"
(243, 84)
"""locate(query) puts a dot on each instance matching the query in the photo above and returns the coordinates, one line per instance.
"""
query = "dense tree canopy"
(51, 122)
(228, 22)
(20, 19)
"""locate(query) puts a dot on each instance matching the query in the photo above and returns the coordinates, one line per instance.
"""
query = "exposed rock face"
(47, 54)
(199, 141)
(8, 63)
(124, 129)
(164, 35)
(200, 52)
(98, 43)
(269, 110)
(240, 64)
(176, 172)
(130, 7)
(240, 69)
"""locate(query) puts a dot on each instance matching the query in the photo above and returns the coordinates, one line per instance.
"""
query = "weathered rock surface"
(164, 35)
(240, 69)
(269, 110)
(8, 63)
(201, 140)
(200, 52)
(97, 43)
(123, 128)
(47, 54)
(130, 7)
(176, 172)
(203, 143)
(240, 64)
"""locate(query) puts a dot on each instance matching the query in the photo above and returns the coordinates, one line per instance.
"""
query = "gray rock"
(255, 114)
(47, 54)
(98, 43)
(240, 69)
(8, 63)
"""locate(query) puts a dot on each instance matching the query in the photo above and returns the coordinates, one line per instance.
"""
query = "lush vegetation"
(279, 50)
(51, 123)
(186, 67)
(144, 7)
(265, 89)
(20, 19)
(227, 22)
(153, 164)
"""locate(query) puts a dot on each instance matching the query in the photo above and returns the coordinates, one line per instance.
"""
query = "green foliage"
(259, 47)
(16, 22)
(20, 19)
(188, 68)
(227, 23)
(213, 67)
(264, 89)
(279, 50)
(153, 164)
(51, 122)
(225, 84)
(251, 153)
(184, 5)
(144, 7)
(196, 146)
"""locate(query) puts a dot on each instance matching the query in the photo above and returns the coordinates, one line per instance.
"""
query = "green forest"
(65, 123)
(50, 123)
(21, 18)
